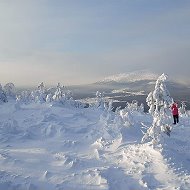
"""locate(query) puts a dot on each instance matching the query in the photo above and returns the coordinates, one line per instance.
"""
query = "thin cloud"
(81, 42)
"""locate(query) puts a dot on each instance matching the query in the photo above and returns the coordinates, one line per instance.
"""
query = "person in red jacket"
(175, 113)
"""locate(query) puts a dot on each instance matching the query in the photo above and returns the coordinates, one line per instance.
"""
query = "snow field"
(52, 147)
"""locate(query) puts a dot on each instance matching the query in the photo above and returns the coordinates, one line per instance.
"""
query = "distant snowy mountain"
(131, 77)
(126, 87)
(139, 81)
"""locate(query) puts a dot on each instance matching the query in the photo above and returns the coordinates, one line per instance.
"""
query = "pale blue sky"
(82, 41)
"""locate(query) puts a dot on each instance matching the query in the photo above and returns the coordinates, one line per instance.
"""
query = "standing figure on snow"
(175, 113)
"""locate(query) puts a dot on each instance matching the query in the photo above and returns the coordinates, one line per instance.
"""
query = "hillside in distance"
(129, 86)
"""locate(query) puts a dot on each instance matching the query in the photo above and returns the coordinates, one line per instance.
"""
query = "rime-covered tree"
(182, 109)
(41, 92)
(150, 103)
(24, 97)
(39, 95)
(159, 102)
(3, 97)
(141, 108)
(9, 90)
(100, 100)
(63, 96)
(59, 94)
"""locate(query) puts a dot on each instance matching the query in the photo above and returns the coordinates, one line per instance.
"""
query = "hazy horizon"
(81, 42)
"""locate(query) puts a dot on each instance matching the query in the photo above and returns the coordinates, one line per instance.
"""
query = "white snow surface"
(47, 147)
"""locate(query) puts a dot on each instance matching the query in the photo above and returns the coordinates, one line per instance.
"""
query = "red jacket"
(174, 109)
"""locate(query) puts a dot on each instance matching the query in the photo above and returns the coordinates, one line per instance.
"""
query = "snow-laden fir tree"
(58, 95)
(40, 94)
(100, 101)
(159, 102)
(63, 96)
(150, 103)
(126, 115)
(49, 98)
(3, 97)
(182, 109)
(10, 91)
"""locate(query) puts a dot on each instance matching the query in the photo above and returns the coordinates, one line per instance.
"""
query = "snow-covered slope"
(43, 146)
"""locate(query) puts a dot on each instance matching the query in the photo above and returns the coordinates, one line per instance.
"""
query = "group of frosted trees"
(159, 102)
(41, 94)
(120, 116)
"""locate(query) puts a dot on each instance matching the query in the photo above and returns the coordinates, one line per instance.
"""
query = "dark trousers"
(176, 118)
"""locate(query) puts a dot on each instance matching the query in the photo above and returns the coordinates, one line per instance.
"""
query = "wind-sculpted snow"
(46, 147)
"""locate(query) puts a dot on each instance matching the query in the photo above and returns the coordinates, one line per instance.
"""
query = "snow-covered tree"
(3, 97)
(100, 101)
(159, 102)
(59, 94)
(182, 109)
(64, 96)
(108, 115)
(141, 108)
(40, 94)
(161, 94)
(37, 95)
(118, 121)
(24, 97)
(150, 103)
(134, 106)
(49, 98)
(126, 115)
(9, 90)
